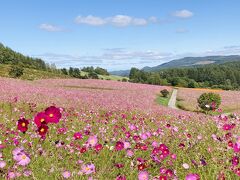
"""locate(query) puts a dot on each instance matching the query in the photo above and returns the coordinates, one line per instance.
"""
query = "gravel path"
(172, 101)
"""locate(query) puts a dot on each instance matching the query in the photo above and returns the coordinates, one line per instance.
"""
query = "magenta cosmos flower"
(23, 125)
(227, 127)
(235, 161)
(143, 175)
(53, 114)
(119, 146)
(77, 135)
(192, 177)
(40, 118)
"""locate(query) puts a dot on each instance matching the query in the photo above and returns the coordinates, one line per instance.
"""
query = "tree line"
(225, 76)
(88, 72)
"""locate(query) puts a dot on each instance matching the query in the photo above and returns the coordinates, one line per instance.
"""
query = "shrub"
(209, 101)
(15, 72)
(93, 75)
(164, 92)
(124, 80)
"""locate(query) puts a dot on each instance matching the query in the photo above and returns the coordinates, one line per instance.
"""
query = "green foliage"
(15, 72)
(164, 92)
(101, 71)
(192, 84)
(225, 76)
(93, 75)
(124, 80)
(8, 56)
(209, 101)
(64, 71)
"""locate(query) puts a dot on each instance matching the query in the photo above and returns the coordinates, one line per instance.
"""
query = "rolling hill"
(194, 61)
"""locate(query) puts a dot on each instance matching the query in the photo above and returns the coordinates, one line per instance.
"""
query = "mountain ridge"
(185, 62)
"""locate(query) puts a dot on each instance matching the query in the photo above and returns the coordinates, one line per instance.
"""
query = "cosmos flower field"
(93, 129)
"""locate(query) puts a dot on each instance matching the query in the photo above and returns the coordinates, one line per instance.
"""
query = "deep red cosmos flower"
(163, 178)
(53, 114)
(119, 146)
(169, 172)
(98, 147)
(83, 149)
(142, 167)
(23, 125)
(43, 129)
(40, 118)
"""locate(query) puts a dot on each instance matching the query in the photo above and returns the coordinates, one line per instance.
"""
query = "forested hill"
(10, 57)
(225, 76)
(194, 61)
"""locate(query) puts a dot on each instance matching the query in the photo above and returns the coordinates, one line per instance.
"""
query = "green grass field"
(163, 100)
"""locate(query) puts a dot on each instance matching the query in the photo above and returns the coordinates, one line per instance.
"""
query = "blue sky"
(120, 34)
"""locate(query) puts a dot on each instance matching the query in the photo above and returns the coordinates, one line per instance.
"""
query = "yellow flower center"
(42, 120)
(42, 130)
(92, 141)
(24, 156)
(50, 115)
(23, 124)
(87, 168)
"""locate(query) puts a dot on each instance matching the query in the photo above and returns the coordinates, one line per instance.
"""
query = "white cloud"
(117, 58)
(118, 20)
(50, 28)
(153, 19)
(90, 20)
(140, 22)
(183, 14)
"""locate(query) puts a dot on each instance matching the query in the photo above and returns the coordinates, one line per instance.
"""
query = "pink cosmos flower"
(17, 151)
(143, 175)
(22, 159)
(143, 136)
(66, 174)
(88, 169)
(130, 153)
(92, 141)
(11, 175)
(2, 164)
(192, 177)
(27, 173)
(127, 145)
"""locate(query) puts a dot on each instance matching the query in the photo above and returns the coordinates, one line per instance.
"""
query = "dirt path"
(173, 99)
